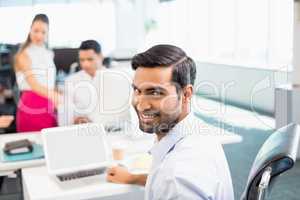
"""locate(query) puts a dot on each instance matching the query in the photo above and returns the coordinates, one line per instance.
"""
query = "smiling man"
(186, 165)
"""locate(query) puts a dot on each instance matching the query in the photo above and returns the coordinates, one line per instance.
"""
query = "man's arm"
(122, 175)
(81, 120)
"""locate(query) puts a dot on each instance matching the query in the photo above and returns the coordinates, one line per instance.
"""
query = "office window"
(244, 32)
(70, 23)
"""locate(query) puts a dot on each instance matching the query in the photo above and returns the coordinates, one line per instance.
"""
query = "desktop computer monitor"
(114, 101)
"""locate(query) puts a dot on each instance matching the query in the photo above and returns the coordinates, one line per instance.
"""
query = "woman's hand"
(5, 120)
(55, 97)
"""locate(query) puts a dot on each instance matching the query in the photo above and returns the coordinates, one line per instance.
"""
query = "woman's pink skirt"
(35, 112)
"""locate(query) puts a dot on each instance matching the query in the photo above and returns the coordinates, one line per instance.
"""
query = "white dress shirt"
(104, 98)
(80, 97)
(188, 165)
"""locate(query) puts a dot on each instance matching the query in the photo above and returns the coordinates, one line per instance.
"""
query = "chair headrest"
(278, 152)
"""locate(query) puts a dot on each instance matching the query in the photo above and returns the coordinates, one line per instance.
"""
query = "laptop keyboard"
(81, 174)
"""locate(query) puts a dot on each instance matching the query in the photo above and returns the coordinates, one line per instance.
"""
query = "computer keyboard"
(81, 174)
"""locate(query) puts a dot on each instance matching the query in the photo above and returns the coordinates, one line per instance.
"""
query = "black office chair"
(277, 155)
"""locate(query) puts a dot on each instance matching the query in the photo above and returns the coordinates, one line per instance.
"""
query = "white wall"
(131, 17)
(251, 88)
(296, 48)
(130, 24)
(248, 87)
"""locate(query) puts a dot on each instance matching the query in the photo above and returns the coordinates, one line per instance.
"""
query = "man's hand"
(81, 120)
(122, 175)
(119, 175)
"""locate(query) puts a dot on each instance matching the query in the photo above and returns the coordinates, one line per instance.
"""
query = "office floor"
(255, 129)
(287, 187)
(11, 188)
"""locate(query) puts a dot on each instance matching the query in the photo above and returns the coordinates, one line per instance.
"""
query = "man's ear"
(100, 56)
(187, 93)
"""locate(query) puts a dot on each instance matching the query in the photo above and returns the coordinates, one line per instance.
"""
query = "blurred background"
(245, 52)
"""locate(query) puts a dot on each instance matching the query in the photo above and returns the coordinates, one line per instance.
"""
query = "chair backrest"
(114, 90)
(277, 155)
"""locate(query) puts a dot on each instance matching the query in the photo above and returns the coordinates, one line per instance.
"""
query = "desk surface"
(8, 167)
(142, 144)
(39, 185)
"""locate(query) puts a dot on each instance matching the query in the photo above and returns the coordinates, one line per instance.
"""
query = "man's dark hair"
(184, 68)
(90, 44)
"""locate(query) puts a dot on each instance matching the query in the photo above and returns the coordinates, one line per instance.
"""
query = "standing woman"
(35, 73)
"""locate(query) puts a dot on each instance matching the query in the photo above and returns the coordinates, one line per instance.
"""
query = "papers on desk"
(37, 153)
(137, 164)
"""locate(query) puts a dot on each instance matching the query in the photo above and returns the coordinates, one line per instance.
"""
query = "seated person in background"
(186, 165)
(6, 120)
(78, 86)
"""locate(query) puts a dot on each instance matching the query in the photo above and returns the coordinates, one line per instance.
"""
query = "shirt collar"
(88, 76)
(167, 143)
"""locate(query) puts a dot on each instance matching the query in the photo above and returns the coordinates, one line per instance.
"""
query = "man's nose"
(142, 103)
(84, 63)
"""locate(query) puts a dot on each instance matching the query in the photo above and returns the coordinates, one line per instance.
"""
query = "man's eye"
(156, 93)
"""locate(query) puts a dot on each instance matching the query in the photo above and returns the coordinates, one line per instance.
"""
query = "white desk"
(228, 138)
(37, 185)
(8, 168)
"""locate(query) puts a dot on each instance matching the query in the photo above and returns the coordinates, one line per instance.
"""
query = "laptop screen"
(75, 146)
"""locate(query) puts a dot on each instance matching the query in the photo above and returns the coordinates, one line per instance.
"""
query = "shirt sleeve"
(172, 187)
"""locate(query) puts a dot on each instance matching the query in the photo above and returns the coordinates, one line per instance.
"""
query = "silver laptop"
(76, 151)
